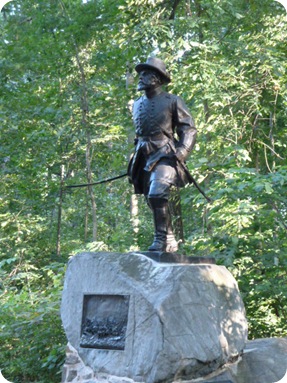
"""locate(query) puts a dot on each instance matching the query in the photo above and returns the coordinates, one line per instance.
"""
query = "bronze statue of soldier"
(165, 136)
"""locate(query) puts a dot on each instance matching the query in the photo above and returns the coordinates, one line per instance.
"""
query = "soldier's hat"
(153, 63)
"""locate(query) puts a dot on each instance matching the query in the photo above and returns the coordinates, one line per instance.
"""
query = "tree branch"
(175, 4)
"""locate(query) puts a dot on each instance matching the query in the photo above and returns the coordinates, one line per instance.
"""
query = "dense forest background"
(67, 80)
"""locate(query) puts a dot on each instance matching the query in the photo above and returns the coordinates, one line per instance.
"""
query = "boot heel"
(157, 246)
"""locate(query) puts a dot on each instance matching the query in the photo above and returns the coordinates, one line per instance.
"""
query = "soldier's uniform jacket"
(156, 121)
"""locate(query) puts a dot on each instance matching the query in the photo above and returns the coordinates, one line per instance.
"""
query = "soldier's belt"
(153, 137)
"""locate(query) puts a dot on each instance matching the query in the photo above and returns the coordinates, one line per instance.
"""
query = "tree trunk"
(134, 210)
(90, 188)
(85, 124)
(134, 213)
(60, 205)
(176, 213)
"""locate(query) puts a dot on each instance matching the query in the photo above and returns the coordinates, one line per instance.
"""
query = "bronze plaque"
(104, 321)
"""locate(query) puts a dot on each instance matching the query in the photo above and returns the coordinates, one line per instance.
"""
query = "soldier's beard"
(144, 86)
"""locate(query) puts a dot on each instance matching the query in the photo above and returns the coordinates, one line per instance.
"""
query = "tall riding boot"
(163, 237)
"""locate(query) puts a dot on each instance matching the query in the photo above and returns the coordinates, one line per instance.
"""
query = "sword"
(191, 180)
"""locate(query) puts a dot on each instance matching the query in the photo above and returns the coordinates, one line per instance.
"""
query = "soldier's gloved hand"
(181, 154)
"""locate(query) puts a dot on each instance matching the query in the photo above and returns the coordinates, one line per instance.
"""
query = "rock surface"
(263, 361)
(183, 320)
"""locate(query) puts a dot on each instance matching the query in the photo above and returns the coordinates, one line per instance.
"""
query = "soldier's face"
(148, 79)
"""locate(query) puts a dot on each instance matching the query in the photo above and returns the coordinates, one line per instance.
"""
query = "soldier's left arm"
(185, 128)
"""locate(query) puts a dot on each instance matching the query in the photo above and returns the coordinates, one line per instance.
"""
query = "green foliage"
(32, 339)
(67, 76)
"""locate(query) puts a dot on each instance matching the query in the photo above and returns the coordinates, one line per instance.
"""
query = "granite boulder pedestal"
(152, 317)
